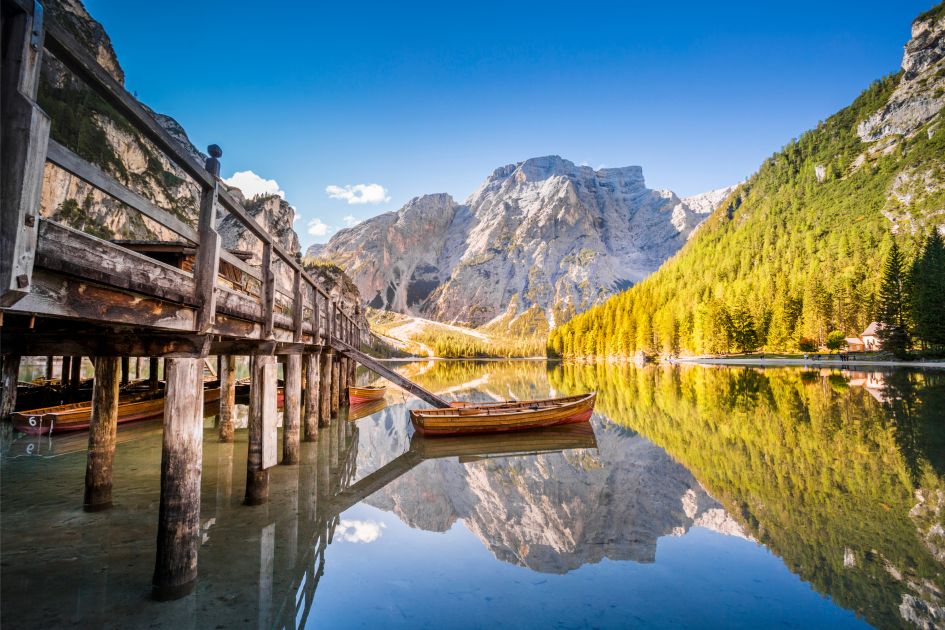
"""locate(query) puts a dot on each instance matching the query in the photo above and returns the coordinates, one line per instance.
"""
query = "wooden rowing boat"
(473, 418)
(77, 416)
(365, 394)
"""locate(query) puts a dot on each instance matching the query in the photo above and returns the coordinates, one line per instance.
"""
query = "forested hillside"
(797, 251)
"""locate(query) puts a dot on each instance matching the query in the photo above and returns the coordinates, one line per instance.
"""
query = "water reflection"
(839, 474)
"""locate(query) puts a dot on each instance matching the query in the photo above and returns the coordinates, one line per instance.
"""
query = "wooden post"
(137, 368)
(352, 372)
(178, 538)
(49, 367)
(24, 135)
(335, 384)
(343, 381)
(227, 396)
(207, 263)
(65, 371)
(310, 367)
(262, 410)
(268, 290)
(9, 374)
(292, 411)
(324, 386)
(153, 373)
(103, 430)
(75, 378)
(124, 371)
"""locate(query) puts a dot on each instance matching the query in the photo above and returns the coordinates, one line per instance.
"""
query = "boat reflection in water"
(696, 496)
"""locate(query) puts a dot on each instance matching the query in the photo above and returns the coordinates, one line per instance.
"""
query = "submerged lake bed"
(705, 496)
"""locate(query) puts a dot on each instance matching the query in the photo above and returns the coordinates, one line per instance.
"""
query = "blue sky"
(419, 98)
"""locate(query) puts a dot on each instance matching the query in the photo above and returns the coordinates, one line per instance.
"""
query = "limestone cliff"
(543, 232)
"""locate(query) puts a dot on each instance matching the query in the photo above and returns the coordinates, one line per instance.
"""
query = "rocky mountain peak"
(542, 233)
(920, 94)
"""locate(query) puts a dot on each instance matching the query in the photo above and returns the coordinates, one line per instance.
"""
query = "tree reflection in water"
(839, 473)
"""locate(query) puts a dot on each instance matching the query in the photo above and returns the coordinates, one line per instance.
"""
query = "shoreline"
(835, 363)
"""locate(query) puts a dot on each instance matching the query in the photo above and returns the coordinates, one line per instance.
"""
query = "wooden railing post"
(297, 307)
(208, 249)
(268, 290)
(24, 135)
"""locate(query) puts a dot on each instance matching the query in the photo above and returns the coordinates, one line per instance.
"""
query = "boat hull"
(77, 417)
(469, 419)
(357, 395)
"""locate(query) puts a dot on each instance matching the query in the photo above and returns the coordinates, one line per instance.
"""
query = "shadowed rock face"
(543, 231)
(552, 512)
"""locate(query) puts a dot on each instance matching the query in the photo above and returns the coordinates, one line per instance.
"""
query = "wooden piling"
(137, 368)
(103, 430)
(178, 538)
(324, 393)
(65, 371)
(153, 373)
(343, 384)
(124, 371)
(262, 389)
(9, 373)
(75, 377)
(227, 397)
(292, 410)
(335, 385)
(310, 369)
(49, 367)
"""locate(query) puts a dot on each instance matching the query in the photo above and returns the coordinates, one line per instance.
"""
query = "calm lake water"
(709, 497)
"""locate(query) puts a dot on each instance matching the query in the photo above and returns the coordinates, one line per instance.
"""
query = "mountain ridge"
(795, 252)
(543, 231)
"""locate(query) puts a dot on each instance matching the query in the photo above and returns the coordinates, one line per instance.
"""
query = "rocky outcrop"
(544, 232)
(920, 94)
(551, 512)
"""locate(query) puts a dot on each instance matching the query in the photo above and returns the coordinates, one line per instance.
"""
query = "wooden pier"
(67, 293)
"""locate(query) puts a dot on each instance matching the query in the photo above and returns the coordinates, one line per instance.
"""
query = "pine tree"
(893, 304)
(927, 297)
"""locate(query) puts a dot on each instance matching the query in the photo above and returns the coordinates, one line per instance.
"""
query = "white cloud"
(350, 221)
(252, 184)
(317, 227)
(358, 194)
(355, 531)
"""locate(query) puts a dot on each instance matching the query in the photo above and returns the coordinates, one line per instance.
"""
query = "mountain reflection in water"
(838, 474)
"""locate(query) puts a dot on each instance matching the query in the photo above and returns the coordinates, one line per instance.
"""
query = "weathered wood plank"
(298, 305)
(257, 474)
(103, 430)
(324, 393)
(24, 133)
(91, 342)
(59, 296)
(310, 369)
(8, 379)
(70, 251)
(292, 410)
(268, 290)
(390, 375)
(335, 384)
(239, 264)
(208, 260)
(178, 538)
(227, 396)
(88, 172)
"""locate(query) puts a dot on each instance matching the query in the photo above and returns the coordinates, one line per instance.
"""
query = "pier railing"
(46, 263)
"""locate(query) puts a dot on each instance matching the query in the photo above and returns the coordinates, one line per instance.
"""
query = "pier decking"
(67, 293)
